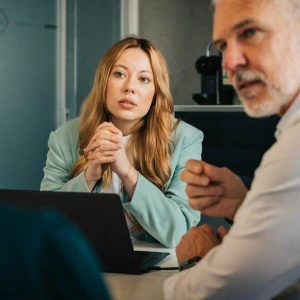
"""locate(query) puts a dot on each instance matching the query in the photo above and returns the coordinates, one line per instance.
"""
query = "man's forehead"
(229, 13)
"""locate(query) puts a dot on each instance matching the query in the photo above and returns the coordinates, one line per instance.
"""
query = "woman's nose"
(130, 89)
(130, 86)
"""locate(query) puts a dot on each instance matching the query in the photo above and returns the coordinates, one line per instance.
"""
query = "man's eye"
(119, 75)
(248, 32)
(222, 47)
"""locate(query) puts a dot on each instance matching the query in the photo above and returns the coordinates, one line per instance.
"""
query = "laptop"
(100, 217)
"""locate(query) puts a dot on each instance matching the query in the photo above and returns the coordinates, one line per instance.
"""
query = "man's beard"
(269, 104)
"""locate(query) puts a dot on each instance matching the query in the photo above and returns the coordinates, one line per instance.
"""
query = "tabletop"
(146, 286)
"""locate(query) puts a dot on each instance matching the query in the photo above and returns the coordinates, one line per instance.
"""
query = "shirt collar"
(288, 117)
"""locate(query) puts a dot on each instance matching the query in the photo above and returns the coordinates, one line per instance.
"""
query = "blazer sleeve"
(166, 216)
(61, 157)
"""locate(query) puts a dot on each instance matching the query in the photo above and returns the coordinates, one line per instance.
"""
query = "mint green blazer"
(165, 216)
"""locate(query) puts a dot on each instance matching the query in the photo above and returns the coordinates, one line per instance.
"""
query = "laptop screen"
(100, 217)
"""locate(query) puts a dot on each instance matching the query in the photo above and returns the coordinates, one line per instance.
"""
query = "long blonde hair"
(150, 145)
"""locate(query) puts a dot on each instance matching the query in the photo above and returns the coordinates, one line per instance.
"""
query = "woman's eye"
(144, 80)
(119, 75)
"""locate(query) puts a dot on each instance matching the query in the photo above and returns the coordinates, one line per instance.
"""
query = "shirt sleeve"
(259, 257)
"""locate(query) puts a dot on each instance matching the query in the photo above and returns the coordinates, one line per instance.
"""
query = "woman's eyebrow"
(126, 68)
(122, 66)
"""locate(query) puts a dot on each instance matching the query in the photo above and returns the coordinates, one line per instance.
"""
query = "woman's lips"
(127, 103)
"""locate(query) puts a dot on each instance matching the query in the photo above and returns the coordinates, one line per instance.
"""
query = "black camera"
(213, 91)
(208, 65)
(210, 69)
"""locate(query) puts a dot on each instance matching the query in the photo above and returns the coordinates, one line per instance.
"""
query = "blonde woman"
(126, 141)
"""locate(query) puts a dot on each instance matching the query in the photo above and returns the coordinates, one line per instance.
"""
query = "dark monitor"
(232, 138)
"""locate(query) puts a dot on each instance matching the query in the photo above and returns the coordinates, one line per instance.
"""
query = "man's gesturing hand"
(212, 190)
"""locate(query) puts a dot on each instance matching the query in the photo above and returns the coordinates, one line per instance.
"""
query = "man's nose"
(234, 58)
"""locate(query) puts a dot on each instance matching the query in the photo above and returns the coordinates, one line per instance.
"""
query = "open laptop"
(100, 217)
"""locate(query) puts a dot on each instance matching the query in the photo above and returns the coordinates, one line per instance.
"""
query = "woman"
(126, 141)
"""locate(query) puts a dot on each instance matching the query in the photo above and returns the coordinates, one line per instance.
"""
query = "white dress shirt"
(260, 256)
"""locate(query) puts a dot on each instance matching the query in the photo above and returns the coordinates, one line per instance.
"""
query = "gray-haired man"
(260, 256)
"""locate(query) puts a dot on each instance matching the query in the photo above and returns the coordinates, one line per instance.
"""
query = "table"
(149, 286)
(145, 286)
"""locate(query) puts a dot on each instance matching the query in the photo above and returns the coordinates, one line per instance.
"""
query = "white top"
(115, 184)
(260, 256)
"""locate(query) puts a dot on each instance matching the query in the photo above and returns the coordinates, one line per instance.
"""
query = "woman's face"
(130, 89)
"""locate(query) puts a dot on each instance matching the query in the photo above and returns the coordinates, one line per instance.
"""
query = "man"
(260, 256)
(43, 256)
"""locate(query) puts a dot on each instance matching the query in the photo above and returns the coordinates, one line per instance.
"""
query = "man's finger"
(203, 202)
(216, 174)
(194, 166)
(208, 229)
(203, 191)
(192, 178)
(222, 231)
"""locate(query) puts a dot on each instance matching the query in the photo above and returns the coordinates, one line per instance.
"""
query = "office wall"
(28, 76)
(182, 30)
(27, 89)
(98, 28)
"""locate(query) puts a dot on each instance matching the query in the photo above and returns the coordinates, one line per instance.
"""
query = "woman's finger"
(101, 159)
(94, 155)
(102, 138)
(108, 126)
(107, 147)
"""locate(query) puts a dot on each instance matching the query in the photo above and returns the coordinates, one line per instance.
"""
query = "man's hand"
(212, 190)
(198, 241)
